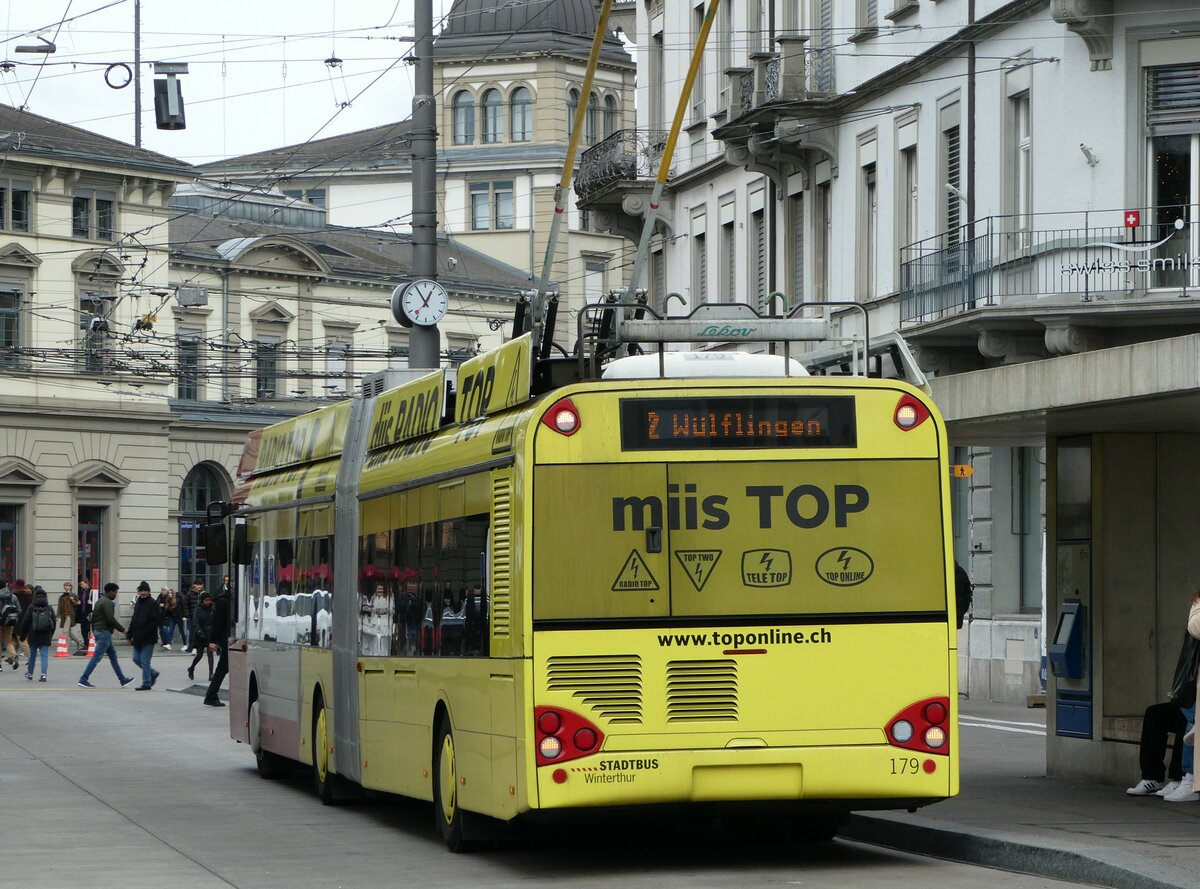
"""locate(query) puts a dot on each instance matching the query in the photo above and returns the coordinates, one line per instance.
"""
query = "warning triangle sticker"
(635, 575)
(698, 564)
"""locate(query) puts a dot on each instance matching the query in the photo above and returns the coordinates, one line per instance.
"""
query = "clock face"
(425, 302)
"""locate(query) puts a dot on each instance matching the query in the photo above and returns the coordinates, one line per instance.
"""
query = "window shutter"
(1173, 99)
(797, 245)
(954, 177)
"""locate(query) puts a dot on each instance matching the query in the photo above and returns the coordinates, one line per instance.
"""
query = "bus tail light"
(563, 417)
(560, 735)
(922, 726)
(910, 413)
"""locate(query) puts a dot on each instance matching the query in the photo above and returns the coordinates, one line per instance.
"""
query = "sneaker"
(191, 673)
(83, 683)
(142, 688)
(214, 702)
(153, 678)
(1145, 787)
(128, 680)
(166, 647)
(1170, 787)
(29, 676)
(1184, 794)
(41, 679)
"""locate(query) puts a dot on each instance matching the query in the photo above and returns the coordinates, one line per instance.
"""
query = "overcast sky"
(257, 76)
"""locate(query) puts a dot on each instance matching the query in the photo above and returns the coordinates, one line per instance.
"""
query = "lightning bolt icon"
(699, 568)
(766, 560)
(844, 559)
(635, 566)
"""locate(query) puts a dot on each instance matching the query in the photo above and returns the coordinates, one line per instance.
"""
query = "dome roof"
(469, 17)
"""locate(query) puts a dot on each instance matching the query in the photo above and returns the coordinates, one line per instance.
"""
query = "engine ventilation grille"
(702, 691)
(610, 685)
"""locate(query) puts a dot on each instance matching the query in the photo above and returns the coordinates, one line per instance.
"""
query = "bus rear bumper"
(855, 777)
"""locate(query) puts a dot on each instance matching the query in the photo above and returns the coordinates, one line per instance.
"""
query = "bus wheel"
(445, 789)
(270, 765)
(323, 779)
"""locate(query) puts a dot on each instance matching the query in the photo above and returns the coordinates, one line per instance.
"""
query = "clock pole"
(424, 341)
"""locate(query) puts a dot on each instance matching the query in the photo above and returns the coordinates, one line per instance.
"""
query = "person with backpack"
(10, 610)
(37, 628)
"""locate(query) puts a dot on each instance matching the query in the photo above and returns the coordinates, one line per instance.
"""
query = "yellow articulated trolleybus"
(700, 579)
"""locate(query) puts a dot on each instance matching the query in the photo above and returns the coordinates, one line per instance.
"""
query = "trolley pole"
(424, 342)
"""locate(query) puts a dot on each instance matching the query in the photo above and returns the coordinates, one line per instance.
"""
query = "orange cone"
(91, 645)
(61, 651)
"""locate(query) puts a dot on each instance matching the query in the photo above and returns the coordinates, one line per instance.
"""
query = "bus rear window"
(796, 421)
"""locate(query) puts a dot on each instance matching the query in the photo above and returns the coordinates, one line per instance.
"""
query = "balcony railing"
(626, 155)
(796, 73)
(1091, 254)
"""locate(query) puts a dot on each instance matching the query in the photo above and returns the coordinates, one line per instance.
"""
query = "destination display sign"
(719, 422)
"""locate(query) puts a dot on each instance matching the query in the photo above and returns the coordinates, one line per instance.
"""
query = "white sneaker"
(1169, 787)
(1184, 793)
(1145, 787)
(166, 648)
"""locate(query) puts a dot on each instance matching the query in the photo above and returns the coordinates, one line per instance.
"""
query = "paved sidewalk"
(1010, 816)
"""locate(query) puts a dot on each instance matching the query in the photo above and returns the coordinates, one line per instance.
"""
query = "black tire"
(270, 765)
(324, 780)
(446, 811)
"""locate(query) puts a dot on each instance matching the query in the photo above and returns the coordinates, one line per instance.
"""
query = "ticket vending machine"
(1070, 647)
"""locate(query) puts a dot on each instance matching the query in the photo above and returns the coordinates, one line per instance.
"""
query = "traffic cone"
(91, 645)
(61, 651)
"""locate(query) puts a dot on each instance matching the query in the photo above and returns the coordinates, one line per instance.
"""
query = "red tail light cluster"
(560, 736)
(563, 417)
(922, 726)
(910, 413)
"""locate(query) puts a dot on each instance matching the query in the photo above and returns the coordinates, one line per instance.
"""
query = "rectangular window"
(337, 367)
(504, 204)
(795, 228)
(656, 76)
(1022, 162)
(758, 259)
(728, 263)
(10, 325)
(908, 197)
(89, 540)
(93, 329)
(8, 541)
(187, 347)
(702, 74)
(754, 25)
(266, 367)
(93, 214)
(868, 233)
(724, 25)
(699, 270)
(822, 223)
(868, 16)
(593, 280)
(480, 206)
(16, 199)
(951, 163)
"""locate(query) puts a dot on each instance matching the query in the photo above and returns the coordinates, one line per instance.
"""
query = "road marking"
(990, 719)
(966, 722)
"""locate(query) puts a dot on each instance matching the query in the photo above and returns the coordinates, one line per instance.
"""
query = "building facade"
(1012, 186)
(507, 80)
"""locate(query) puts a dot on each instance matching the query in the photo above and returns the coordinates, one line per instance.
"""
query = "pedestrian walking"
(219, 643)
(24, 594)
(189, 598)
(68, 602)
(37, 628)
(143, 634)
(202, 622)
(10, 611)
(104, 622)
(83, 615)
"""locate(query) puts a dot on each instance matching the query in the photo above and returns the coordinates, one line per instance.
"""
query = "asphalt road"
(112, 788)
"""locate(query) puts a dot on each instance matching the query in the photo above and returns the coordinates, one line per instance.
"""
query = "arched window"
(493, 116)
(200, 488)
(572, 107)
(591, 124)
(464, 119)
(522, 115)
(610, 115)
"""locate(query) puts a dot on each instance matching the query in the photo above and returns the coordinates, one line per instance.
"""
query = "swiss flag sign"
(1133, 218)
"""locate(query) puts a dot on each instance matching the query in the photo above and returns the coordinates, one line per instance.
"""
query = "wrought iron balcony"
(1051, 258)
(625, 156)
(796, 73)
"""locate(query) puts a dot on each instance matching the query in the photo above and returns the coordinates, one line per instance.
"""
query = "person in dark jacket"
(37, 629)
(202, 621)
(104, 622)
(219, 642)
(143, 634)
(83, 615)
